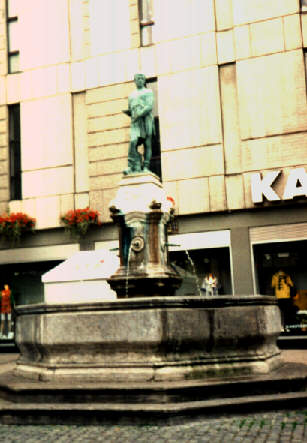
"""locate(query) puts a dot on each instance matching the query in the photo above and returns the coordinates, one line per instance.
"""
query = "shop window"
(280, 270)
(204, 270)
(14, 149)
(146, 22)
(26, 287)
(12, 36)
(155, 165)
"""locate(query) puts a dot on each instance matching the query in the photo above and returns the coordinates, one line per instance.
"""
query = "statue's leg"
(132, 157)
(147, 153)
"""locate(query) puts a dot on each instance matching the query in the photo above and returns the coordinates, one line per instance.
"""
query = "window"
(304, 4)
(146, 22)
(155, 165)
(12, 36)
(14, 149)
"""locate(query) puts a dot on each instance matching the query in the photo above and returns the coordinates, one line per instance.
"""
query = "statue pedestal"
(141, 211)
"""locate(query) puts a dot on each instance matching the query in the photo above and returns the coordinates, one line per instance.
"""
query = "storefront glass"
(207, 270)
(20, 284)
(280, 270)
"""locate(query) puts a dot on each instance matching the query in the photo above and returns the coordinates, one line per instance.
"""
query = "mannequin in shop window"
(210, 285)
(6, 311)
(284, 289)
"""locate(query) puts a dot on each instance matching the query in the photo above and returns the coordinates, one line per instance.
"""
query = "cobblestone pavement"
(270, 427)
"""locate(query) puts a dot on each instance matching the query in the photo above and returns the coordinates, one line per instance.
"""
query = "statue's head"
(140, 80)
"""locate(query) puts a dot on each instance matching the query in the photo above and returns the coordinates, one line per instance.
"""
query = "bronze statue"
(140, 105)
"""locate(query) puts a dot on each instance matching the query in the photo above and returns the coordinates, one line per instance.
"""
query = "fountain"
(148, 352)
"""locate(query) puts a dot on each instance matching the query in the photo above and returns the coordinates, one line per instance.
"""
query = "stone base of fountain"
(149, 339)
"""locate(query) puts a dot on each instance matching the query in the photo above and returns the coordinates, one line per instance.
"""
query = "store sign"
(296, 185)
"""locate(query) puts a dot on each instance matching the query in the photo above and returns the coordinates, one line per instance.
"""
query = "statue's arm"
(149, 102)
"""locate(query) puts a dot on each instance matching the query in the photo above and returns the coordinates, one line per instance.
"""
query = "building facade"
(229, 78)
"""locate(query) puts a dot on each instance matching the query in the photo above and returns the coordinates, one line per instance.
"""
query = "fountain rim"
(190, 302)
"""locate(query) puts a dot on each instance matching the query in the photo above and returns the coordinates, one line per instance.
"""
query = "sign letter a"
(296, 184)
(261, 187)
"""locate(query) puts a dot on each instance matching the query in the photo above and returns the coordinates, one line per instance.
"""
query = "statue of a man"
(140, 105)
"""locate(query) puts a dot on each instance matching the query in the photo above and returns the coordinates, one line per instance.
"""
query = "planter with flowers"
(77, 222)
(13, 226)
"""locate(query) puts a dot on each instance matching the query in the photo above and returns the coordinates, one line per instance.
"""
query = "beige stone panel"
(185, 53)
(49, 44)
(3, 139)
(304, 29)
(105, 181)
(29, 207)
(80, 143)
(3, 154)
(3, 99)
(77, 73)
(108, 196)
(135, 41)
(13, 84)
(48, 182)
(163, 51)
(108, 122)
(292, 32)
(193, 196)
(3, 112)
(4, 167)
(242, 42)
(109, 26)
(92, 169)
(66, 203)
(247, 190)
(230, 115)
(132, 64)
(3, 62)
(82, 200)
(51, 146)
(109, 137)
(110, 68)
(63, 78)
(16, 206)
(4, 195)
(48, 212)
(44, 81)
(108, 152)
(274, 152)
(148, 61)
(251, 11)
(4, 181)
(96, 201)
(267, 37)
(3, 207)
(272, 94)
(208, 51)
(235, 192)
(217, 193)
(223, 14)
(76, 29)
(3, 126)
(107, 93)
(92, 73)
(175, 19)
(189, 109)
(225, 47)
(104, 109)
(192, 163)
(171, 189)
(111, 166)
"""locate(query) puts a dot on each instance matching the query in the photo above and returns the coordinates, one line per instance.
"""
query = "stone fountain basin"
(149, 339)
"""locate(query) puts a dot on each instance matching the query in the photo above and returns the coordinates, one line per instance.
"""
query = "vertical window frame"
(16, 52)
(146, 22)
(15, 152)
(155, 165)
